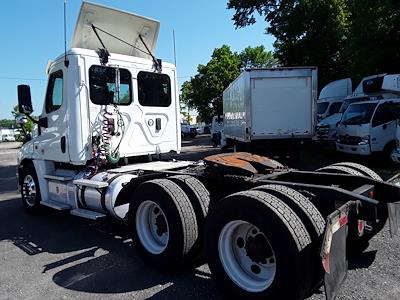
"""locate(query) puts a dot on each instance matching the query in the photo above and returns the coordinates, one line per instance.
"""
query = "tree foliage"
(307, 32)
(257, 57)
(26, 126)
(342, 37)
(374, 41)
(204, 91)
(6, 123)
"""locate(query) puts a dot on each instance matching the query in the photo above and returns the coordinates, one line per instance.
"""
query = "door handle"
(63, 144)
(158, 123)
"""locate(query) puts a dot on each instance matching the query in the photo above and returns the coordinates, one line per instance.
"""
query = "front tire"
(30, 190)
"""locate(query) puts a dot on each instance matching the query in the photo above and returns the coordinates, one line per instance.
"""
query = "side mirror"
(24, 99)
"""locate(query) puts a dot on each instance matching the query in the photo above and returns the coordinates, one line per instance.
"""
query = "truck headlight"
(364, 140)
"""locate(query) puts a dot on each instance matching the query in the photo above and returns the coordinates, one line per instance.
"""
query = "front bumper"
(354, 149)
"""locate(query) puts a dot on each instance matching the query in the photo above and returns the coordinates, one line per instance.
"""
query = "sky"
(32, 33)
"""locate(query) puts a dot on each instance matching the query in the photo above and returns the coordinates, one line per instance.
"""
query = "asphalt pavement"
(58, 256)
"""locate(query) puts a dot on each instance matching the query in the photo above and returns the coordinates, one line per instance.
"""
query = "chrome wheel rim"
(29, 190)
(247, 256)
(152, 227)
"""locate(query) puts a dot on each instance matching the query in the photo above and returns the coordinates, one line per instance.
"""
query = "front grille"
(349, 140)
(322, 132)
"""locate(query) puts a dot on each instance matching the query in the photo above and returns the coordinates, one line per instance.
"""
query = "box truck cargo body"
(269, 104)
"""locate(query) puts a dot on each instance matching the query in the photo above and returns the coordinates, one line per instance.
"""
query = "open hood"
(126, 26)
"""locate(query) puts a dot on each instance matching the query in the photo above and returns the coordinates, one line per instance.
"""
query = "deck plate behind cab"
(242, 163)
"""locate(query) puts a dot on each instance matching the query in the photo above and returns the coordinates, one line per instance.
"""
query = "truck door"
(383, 127)
(156, 96)
(52, 144)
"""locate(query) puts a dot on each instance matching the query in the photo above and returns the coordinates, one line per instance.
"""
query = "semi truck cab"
(130, 102)
(109, 99)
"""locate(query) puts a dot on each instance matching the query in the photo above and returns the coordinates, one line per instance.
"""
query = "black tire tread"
(200, 191)
(186, 212)
(340, 169)
(307, 207)
(285, 213)
(184, 209)
(363, 169)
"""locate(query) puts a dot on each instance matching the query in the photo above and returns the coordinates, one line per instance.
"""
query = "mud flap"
(394, 217)
(394, 209)
(333, 252)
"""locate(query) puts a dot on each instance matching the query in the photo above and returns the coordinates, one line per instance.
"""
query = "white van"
(368, 127)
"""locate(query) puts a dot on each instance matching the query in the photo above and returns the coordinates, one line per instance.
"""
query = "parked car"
(8, 138)
(203, 129)
(188, 130)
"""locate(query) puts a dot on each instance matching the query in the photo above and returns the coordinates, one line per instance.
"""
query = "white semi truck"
(262, 227)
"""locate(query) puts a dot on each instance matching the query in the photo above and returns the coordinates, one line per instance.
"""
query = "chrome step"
(58, 178)
(87, 214)
(91, 183)
(56, 205)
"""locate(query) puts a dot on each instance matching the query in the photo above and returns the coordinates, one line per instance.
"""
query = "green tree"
(6, 123)
(307, 32)
(26, 126)
(204, 91)
(257, 57)
(374, 37)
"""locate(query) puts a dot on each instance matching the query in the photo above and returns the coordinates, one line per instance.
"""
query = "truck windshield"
(347, 102)
(321, 107)
(358, 114)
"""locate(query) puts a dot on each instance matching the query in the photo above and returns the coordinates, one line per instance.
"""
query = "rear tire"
(339, 169)
(163, 224)
(200, 199)
(355, 242)
(305, 209)
(266, 235)
(360, 168)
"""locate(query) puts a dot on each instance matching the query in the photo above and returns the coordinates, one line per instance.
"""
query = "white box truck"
(263, 106)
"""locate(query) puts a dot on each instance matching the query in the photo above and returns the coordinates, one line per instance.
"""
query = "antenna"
(173, 37)
(66, 62)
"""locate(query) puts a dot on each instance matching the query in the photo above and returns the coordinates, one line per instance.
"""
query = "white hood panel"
(124, 25)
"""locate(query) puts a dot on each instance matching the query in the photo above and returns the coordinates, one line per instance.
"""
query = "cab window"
(54, 94)
(386, 113)
(154, 89)
(334, 108)
(103, 88)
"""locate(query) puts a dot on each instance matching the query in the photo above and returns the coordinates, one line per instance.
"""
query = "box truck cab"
(369, 127)
(326, 129)
(331, 97)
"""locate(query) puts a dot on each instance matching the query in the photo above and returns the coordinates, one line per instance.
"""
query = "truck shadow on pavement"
(8, 180)
(94, 257)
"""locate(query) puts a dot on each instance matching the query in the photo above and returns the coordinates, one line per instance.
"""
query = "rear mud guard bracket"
(394, 217)
(333, 250)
